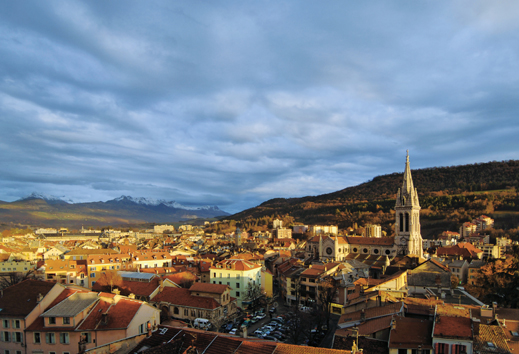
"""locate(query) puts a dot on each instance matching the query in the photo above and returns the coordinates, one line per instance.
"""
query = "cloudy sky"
(232, 103)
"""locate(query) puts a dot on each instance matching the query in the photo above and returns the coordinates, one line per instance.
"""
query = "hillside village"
(299, 290)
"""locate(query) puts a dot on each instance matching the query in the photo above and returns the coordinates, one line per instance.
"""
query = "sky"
(233, 103)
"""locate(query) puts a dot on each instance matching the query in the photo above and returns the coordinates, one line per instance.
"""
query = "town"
(292, 289)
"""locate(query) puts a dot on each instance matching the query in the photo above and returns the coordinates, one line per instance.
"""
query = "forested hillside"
(448, 197)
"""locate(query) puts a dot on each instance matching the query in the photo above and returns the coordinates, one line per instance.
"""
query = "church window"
(355, 249)
(329, 250)
(401, 222)
(375, 251)
(365, 250)
(406, 222)
(388, 252)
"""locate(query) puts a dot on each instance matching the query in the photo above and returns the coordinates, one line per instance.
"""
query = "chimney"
(363, 315)
(104, 318)
(393, 324)
(38, 299)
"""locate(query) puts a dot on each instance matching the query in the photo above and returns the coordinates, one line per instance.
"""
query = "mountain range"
(44, 210)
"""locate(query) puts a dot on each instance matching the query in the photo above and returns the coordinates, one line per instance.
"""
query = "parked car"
(271, 338)
(233, 331)
(272, 310)
(261, 316)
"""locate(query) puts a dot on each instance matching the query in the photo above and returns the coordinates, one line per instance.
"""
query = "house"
(410, 335)
(452, 335)
(66, 271)
(201, 300)
(98, 264)
(20, 305)
(358, 317)
(473, 271)
(429, 274)
(141, 286)
(238, 274)
(90, 319)
(150, 259)
(460, 269)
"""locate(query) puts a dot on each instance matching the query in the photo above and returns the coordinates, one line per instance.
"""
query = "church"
(407, 239)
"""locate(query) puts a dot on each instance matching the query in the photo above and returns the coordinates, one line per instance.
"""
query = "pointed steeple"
(407, 184)
(407, 195)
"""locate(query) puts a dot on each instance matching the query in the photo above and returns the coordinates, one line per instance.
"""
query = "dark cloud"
(233, 103)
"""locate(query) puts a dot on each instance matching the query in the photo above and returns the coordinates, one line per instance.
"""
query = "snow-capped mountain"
(156, 202)
(47, 198)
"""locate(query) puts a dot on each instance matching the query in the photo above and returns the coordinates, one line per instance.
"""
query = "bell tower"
(408, 237)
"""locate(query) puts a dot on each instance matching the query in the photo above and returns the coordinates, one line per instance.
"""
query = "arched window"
(401, 222)
(406, 222)
(175, 310)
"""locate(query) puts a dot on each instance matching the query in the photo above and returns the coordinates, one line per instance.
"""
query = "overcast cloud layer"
(233, 103)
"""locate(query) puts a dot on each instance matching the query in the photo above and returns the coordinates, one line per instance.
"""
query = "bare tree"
(110, 278)
(13, 278)
(217, 319)
(253, 295)
(327, 293)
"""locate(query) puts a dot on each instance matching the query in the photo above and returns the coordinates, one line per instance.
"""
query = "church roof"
(368, 241)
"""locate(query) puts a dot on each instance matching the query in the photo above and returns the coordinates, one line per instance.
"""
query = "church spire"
(407, 184)
(407, 195)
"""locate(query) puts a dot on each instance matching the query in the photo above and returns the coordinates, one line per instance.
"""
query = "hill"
(448, 197)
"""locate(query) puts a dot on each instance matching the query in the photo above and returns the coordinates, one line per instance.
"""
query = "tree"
(109, 279)
(13, 278)
(217, 319)
(253, 294)
(454, 282)
(327, 293)
(498, 281)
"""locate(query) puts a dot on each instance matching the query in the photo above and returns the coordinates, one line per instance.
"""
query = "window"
(228, 275)
(92, 275)
(237, 293)
(237, 285)
(7, 351)
(6, 337)
(237, 276)
(85, 336)
(66, 320)
(63, 338)
(93, 269)
(214, 275)
(17, 337)
(52, 320)
(37, 337)
(6, 323)
(186, 312)
(402, 351)
(50, 338)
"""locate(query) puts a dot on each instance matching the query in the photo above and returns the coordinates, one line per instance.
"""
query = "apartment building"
(238, 274)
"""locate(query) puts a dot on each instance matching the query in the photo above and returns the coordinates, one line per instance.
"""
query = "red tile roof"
(410, 333)
(453, 327)
(209, 288)
(183, 297)
(236, 264)
(20, 299)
